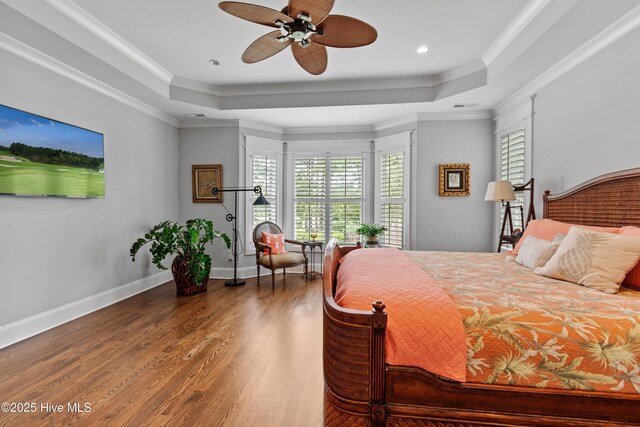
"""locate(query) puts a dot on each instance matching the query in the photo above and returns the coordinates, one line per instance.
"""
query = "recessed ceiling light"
(214, 62)
(423, 49)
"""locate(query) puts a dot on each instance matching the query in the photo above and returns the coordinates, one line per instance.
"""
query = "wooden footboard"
(353, 355)
(360, 390)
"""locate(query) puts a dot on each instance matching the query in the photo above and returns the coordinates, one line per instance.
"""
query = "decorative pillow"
(547, 229)
(593, 259)
(633, 277)
(536, 252)
(276, 241)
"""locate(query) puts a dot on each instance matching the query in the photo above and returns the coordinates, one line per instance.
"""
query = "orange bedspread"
(529, 330)
(424, 326)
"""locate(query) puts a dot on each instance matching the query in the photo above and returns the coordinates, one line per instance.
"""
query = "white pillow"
(535, 252)
(593, 259)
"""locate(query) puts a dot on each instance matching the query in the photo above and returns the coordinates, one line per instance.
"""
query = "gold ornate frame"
(454, 179)
(203, 179)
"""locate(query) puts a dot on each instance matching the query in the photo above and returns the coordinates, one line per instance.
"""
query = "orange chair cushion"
(633, 277)
(276, 241)
(547, 229)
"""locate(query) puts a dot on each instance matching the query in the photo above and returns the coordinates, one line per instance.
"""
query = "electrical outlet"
(230, 258)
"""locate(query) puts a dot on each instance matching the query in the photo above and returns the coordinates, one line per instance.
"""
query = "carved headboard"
(611, 200)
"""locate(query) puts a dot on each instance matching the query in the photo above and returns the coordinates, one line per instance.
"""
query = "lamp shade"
(500, 191)
(261, 201)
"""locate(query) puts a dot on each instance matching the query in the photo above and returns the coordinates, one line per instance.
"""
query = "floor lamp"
(502, 191)
(260, 201)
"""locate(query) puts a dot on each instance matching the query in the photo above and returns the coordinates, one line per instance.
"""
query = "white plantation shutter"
(309, 199)
(512, 168)
(346, 177)
(346, 197)
(392, 198)
(329, 196)
(265, 174)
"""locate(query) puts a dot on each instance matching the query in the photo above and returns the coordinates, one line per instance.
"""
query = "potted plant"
(192, 265)
(371, 232)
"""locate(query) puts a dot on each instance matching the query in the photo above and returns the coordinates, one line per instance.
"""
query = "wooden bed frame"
(361, 390)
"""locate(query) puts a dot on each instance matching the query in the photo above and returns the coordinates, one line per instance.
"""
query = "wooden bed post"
(378, 391)
(545, 204)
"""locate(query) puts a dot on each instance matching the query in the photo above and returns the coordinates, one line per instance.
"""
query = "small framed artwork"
(203, 179)
(454, 179)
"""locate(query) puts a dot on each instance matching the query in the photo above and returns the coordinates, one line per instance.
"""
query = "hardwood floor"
(247, 356)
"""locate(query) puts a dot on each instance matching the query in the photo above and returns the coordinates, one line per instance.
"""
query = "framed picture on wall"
(454, 179)
(203, 179)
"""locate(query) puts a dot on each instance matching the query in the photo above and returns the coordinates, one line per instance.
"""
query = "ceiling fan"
(306, 26)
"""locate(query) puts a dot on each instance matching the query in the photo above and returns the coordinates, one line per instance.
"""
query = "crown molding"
(326, 86)
(461, 71)
(207, 122)
(411, 119)
(605, 38)
(294, 88)
(35, 56)
(328, 129)
(183, 83)
(106, 34)
(456, 115)
(515, 27)
(264, 127)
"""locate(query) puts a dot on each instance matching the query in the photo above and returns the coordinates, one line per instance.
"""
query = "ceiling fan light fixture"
(295, 29)
(423, 49)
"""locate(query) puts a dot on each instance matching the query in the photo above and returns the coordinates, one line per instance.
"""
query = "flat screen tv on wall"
(45, 157)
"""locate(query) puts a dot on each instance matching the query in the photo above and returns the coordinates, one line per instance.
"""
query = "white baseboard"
(26, 328)
(36, 324)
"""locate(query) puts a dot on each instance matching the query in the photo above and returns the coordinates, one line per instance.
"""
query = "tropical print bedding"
(529, 330)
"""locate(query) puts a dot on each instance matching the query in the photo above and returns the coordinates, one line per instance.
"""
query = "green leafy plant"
(187, 241)
(371, 230)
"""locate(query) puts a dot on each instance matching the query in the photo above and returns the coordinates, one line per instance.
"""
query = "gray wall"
(443, 223)
(586, 122)
(54, 251)
(454, 223)
(215, 145)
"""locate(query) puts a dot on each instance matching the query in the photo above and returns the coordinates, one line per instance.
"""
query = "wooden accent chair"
(276, 261)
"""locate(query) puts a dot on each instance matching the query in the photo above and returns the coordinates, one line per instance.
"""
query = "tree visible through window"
(328, 196)
(392, 199)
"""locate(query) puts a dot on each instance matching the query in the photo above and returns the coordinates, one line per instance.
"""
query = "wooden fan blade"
(345, 31)
(312, 58)
(254, 13)
(316, 9)
(265, 47)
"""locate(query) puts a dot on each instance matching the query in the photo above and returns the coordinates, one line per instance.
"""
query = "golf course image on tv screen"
(45, 157)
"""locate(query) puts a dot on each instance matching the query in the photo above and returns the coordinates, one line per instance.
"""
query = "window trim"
(264, 147)
(520, 115)
(396, 143)
(520, 124)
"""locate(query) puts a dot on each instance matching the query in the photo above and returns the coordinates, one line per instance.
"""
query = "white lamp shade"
(500, 191)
